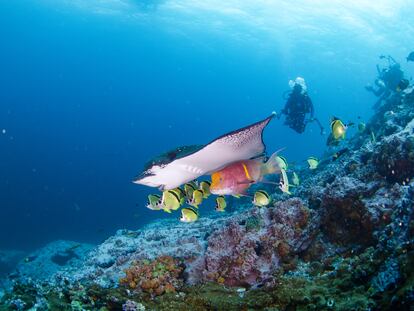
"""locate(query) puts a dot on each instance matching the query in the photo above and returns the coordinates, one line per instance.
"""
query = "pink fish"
(237, 177)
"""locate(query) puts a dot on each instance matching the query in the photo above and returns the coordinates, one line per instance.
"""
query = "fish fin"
(247, 182)
(238, 196)
(272, 165)
(167, 211)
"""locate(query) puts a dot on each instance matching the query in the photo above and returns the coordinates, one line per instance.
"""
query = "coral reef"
(247, 252)
(55, 258)
(156, 277)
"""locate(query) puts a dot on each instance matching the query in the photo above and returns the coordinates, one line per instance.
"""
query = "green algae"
(26, 294)
(253, 223)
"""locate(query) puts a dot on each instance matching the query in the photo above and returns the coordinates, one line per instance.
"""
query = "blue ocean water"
(91, 90)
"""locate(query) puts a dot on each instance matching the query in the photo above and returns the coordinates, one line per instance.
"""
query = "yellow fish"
(154, 202)
(313, 163)
(361, 127)
(205, 187)
(284, 182)
(180, 194)
(188, 214)
(283, 165)
(220, 204)
(189, 189)
(170, 201)
(295, 179)
(338, 129)
(261, 198)
(197, 198)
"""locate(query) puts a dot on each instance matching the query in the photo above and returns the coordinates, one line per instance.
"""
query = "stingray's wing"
(241, 144)
(176, 169)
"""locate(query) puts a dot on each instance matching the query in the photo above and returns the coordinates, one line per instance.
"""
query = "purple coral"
(237, 256)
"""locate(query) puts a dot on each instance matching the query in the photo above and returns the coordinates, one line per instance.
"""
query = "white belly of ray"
(193, 169)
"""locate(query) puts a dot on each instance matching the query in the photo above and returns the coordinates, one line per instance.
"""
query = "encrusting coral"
(239, 256)
(156, 277)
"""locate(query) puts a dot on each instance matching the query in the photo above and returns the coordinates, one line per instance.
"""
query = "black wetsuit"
(388, 81)
(392, 77)
(296, 108)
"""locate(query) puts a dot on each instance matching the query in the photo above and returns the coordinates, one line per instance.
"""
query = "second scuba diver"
(390, 80)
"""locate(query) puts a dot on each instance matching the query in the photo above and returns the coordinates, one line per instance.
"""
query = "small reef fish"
(170, 201)
(154, 202)
(313, 163)
(284, 182)
(188, 214)
(181, 194)
(205, 187)
(236, 178)
(197, 198)
(261, 198)
(339, 153)
(30, 259)
(241, 292)
(73, 247)
(338, 129)
(189, 189)
(373, 138)
(361, 127)
(295, 179)
(283, 164)
(221, 204)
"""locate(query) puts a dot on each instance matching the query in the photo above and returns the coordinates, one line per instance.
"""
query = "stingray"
(183, 164)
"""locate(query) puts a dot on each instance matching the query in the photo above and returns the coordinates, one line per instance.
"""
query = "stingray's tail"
(272, 165)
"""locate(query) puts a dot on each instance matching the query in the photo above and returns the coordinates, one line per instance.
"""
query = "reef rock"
(9, 259)
(247, 252)
(106, 264)
(56, 257)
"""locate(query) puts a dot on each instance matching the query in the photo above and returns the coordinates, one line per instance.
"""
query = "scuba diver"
(390, 79)
(298, 106)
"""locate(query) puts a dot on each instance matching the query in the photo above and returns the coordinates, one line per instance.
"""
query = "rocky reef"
(342, 241)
